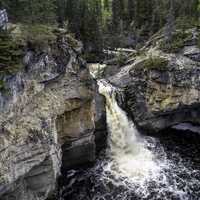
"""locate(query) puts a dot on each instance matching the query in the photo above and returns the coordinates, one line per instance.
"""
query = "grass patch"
(121, 59)
(71, 41)
(39, 37)
(90, 57)
(153, 62)
(4, 88)
(184, 23)
(177, 42)
(2, 85)
(20, 37)
(198, 41)
(11, 54)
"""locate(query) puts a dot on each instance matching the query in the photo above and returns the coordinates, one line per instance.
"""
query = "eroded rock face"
(160, 97)
(75, 130)
(46, 109)
(100, 122)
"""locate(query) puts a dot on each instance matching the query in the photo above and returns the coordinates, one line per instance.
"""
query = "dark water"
(178, 154)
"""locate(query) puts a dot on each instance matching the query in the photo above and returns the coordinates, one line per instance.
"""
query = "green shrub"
(177, 42)
(11, 53)
(71, 41)
(198, 41)
(90, 57)
(121, 59)
(38, 36)
(2, 85)
(153, 62)
(184, 23)
(4, 89)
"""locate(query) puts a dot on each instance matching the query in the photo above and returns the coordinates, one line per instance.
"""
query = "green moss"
(90, 57)
(198, 39)
(181, 36)
(38, 36)
(184, 23)
(154, 62)
(3, 88)
(121, 59)
(2, 178)
(11, 54)
(2, 85)
(177, 42)
(71, 41)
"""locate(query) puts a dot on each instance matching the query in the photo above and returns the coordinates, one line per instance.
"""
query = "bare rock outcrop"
(46, 120)
(161, 86)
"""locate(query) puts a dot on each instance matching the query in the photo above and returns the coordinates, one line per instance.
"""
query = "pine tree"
(31, 11)
(106, 5)
(116, 15)
(170, 26)
(131, 10)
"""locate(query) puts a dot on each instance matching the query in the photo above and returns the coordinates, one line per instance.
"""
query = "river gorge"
(111, 131)
(134, 166)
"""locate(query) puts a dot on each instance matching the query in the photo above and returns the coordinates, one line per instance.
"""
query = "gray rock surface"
(160, 97)
(47, 116)
(100, 122)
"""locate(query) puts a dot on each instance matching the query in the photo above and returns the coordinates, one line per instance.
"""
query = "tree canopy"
(100, 23)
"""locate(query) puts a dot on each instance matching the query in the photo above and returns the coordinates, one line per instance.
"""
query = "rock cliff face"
(47, 118)
(162, 88)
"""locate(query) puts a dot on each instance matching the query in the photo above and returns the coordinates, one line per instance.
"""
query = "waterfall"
(126, 147)
(135, 166)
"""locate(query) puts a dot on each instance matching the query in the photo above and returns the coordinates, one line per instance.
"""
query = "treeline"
(104, 23)
(30, 11)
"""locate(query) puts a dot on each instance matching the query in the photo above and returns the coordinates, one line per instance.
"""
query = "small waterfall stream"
(137, 167)
(126, 147)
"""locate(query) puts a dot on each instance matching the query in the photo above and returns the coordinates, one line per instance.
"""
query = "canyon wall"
(161, 87)
(47, 120)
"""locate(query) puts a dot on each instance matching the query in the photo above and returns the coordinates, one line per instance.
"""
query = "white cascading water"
(136, 167)
(126, 147)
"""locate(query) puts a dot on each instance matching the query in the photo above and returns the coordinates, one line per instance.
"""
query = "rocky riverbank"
(47, 118)
(161, 86)
(53, 118)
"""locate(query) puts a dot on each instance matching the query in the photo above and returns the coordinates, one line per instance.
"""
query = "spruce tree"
(31, 11)
(131, 10)
(116, 15)
(170, 26)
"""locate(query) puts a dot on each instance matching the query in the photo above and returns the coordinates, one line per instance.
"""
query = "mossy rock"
(121, 59)
(184, 23)
(91, 57)
(3, 88)
(2, 85)
(71, 41)
(153, 62)
(198, 39)
(11, 54)
(177, 42)
(38, 36)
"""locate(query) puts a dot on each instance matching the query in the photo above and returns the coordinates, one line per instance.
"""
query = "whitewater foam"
(130, 157)
(137, 167)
